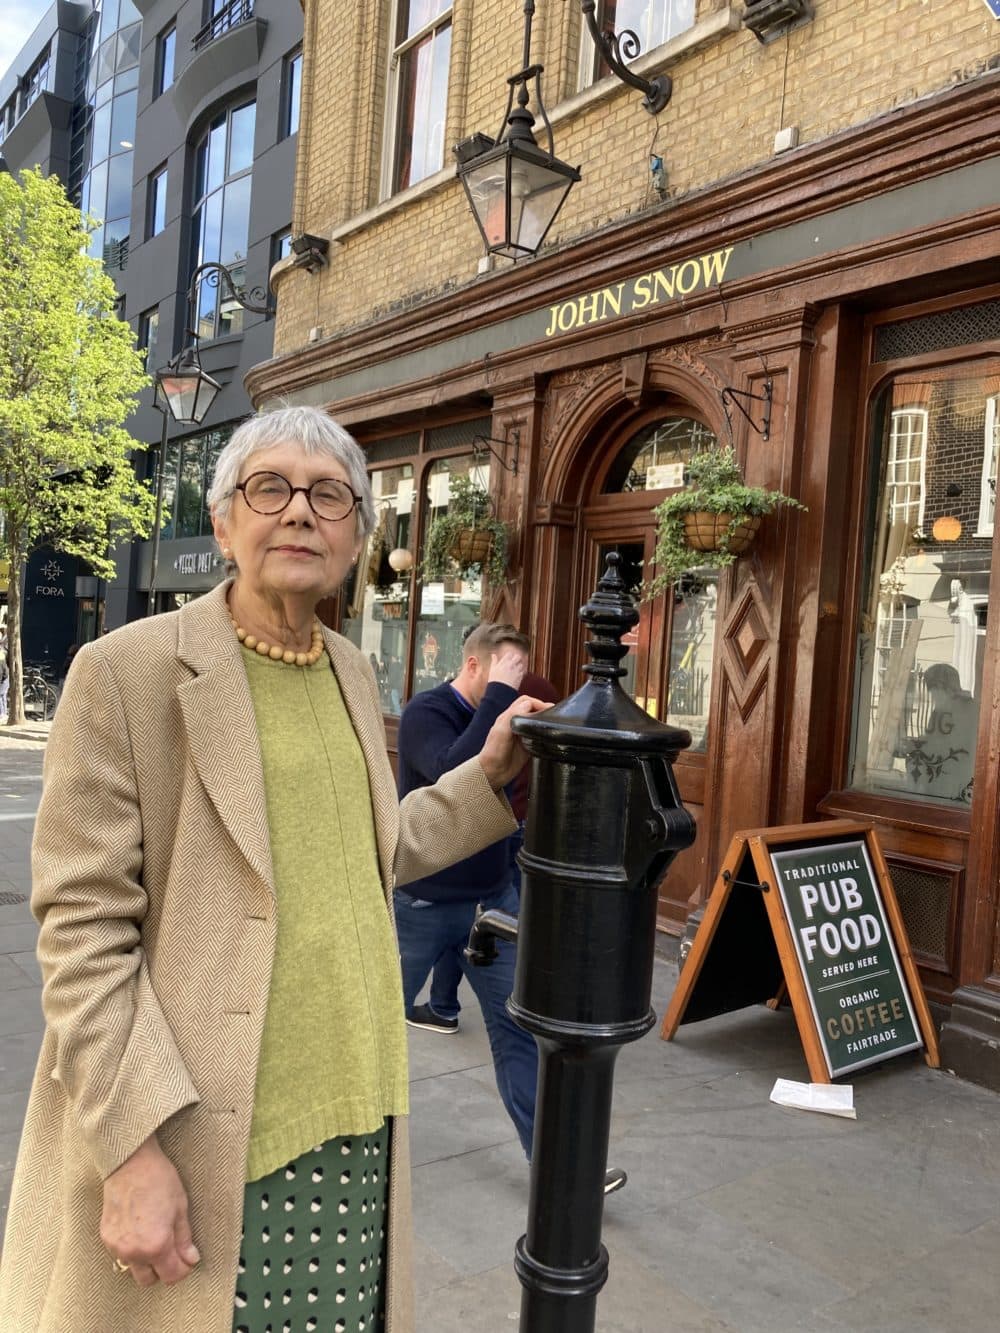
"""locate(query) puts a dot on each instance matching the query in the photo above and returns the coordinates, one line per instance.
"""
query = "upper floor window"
(281, 245)
(652, 21)
(292, 95)
(36, 80)
(221, 219)
(907, 457)
(421, 56)
(166, 46)
(146, 339)
(991, 447)
(223, 15)
(156, 215)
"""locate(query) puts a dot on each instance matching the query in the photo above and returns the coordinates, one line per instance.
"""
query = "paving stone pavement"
(738, 1216)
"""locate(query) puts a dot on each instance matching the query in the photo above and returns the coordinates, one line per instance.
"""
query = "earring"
(227, 553)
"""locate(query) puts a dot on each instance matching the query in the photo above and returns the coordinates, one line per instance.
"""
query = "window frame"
(897, 413)
(291, 93)
(160, 84)
(153, 197)
(987, 486)
(149, 322)
(397, 54)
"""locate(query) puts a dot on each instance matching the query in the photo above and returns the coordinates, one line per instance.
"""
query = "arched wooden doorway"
(669, 667)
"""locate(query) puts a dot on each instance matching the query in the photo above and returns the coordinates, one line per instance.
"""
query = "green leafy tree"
(69, 375)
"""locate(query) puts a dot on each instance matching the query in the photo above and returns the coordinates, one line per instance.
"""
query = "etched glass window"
(926, 590)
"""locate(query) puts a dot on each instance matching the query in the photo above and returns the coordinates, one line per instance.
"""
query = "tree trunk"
(15, 696)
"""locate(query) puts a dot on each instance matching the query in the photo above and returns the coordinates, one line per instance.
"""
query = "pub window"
(411, 632)
(925, 593)
(418, 92)
(653, 22)
(653, 460)
(988, 487)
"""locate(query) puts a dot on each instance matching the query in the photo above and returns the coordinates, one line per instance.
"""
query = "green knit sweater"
(333, 1056)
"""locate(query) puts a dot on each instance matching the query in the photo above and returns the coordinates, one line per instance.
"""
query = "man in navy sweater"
(439, 730)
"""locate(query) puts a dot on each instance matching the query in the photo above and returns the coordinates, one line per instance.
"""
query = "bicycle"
(39, 696)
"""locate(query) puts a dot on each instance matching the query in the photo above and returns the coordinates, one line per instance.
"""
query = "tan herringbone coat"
(152, 882)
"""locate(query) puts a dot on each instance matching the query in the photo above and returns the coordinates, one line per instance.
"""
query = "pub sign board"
(810, 911)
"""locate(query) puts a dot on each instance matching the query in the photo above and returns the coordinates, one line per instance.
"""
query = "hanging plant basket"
(705, 531)
(471, 546)
(712, 521)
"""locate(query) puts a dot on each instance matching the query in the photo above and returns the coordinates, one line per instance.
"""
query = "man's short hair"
(487, 638)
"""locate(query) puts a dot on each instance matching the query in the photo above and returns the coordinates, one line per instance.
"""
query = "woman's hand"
(145, 1220)
(503, 756)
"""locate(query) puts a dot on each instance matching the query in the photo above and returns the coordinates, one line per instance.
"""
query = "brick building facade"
(821, 230)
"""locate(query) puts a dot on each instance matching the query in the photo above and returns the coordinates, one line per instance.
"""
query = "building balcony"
(230, 16)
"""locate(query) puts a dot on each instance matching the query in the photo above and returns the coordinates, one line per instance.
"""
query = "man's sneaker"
(614, 1179)
(423, 1016)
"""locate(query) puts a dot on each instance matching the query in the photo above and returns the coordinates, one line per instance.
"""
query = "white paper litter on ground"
(829, 1098)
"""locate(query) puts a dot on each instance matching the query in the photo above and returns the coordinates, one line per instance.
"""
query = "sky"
(18, 19)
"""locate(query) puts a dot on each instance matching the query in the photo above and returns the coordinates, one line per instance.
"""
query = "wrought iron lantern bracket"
(615, 49)
(483, 444)
(731, 395)
(213, 273)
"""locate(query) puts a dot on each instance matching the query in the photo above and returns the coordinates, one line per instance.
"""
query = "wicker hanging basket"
(471, 546)
(707, 532)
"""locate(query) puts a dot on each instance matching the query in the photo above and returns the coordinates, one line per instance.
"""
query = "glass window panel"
(96, 247)
(158, 203)
(423, 98)
(919, 668)
(217, 154)
(127, 53)
(654, 458)
(120, 185)
(236, 220)
(123, 121)
(149, 330)
(449, 607)
(377, 609)
(99, 191)
(109, 17)
(104, 92)
(106, 60)
(416, 14)
(165, 69)
(241, 138)
(128, 80)
(201, 169)
(101, 131)
(116, 235)
(190, 488)
(173, 454)
(293, 94)
(128, 13)
(692, 650)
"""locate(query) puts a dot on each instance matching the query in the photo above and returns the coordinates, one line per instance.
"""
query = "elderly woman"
(215, 1140)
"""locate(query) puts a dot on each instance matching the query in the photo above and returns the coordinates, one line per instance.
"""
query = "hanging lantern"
(401, 559)
(946, 529)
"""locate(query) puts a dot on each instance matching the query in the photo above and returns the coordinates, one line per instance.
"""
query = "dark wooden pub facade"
(848, 664)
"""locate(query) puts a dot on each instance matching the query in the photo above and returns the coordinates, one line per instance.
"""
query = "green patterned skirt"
(312, 1257)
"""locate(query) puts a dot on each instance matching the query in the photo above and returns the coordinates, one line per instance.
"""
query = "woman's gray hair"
(315, 433)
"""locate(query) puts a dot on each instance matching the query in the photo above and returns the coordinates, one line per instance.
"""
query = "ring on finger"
(119, 1267)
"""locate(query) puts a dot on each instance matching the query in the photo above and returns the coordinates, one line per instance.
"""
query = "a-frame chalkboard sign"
(810, 908)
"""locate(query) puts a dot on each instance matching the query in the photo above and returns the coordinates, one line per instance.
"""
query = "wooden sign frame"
(752, 848)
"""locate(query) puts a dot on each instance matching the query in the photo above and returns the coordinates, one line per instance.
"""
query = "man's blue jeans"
(429, 931)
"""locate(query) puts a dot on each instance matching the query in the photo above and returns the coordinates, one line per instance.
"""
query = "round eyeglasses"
(270, 493)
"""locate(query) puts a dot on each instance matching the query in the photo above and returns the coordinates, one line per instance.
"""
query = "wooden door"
(668, 667)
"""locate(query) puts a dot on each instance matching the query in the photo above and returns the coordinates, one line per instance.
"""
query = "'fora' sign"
(649, 289)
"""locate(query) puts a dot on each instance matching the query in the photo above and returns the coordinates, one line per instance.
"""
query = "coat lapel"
(221, 727)
(366, 718)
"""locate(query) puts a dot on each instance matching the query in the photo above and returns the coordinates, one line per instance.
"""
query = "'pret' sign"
(846, 953)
